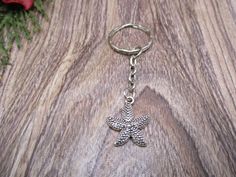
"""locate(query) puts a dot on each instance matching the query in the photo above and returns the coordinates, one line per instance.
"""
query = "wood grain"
(66, 81)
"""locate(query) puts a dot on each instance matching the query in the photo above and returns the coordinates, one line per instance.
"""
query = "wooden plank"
(64, 83)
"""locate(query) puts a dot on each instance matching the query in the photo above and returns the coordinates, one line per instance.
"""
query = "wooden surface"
(62, 86)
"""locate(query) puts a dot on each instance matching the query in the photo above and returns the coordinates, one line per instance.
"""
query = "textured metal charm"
(129, 127)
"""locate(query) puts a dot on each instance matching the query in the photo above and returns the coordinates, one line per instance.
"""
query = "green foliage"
(15, 24)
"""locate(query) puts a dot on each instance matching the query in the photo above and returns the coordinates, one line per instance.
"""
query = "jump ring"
(130, 99)
(136, 50)
(128, 95)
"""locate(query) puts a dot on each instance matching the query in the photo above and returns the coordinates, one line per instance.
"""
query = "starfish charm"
(128, 126)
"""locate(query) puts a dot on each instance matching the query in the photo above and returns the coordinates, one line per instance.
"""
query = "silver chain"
(129, 92)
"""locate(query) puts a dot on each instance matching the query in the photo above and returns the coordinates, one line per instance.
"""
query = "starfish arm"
(127, 112)
(115, 123)
(141, 122)
(122, 138)
(137, 138)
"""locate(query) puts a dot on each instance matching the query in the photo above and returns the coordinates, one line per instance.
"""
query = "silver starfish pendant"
(129, 127)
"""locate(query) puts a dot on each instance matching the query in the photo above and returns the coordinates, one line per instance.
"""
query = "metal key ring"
(135, 50)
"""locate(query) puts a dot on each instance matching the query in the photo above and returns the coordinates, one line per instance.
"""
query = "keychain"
(129, 126)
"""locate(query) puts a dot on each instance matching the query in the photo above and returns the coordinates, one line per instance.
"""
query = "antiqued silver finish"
(129, 127)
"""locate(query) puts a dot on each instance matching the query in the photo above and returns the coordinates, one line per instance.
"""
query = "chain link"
(129, 93)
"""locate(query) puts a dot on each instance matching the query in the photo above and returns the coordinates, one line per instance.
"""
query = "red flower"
(27, 4)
